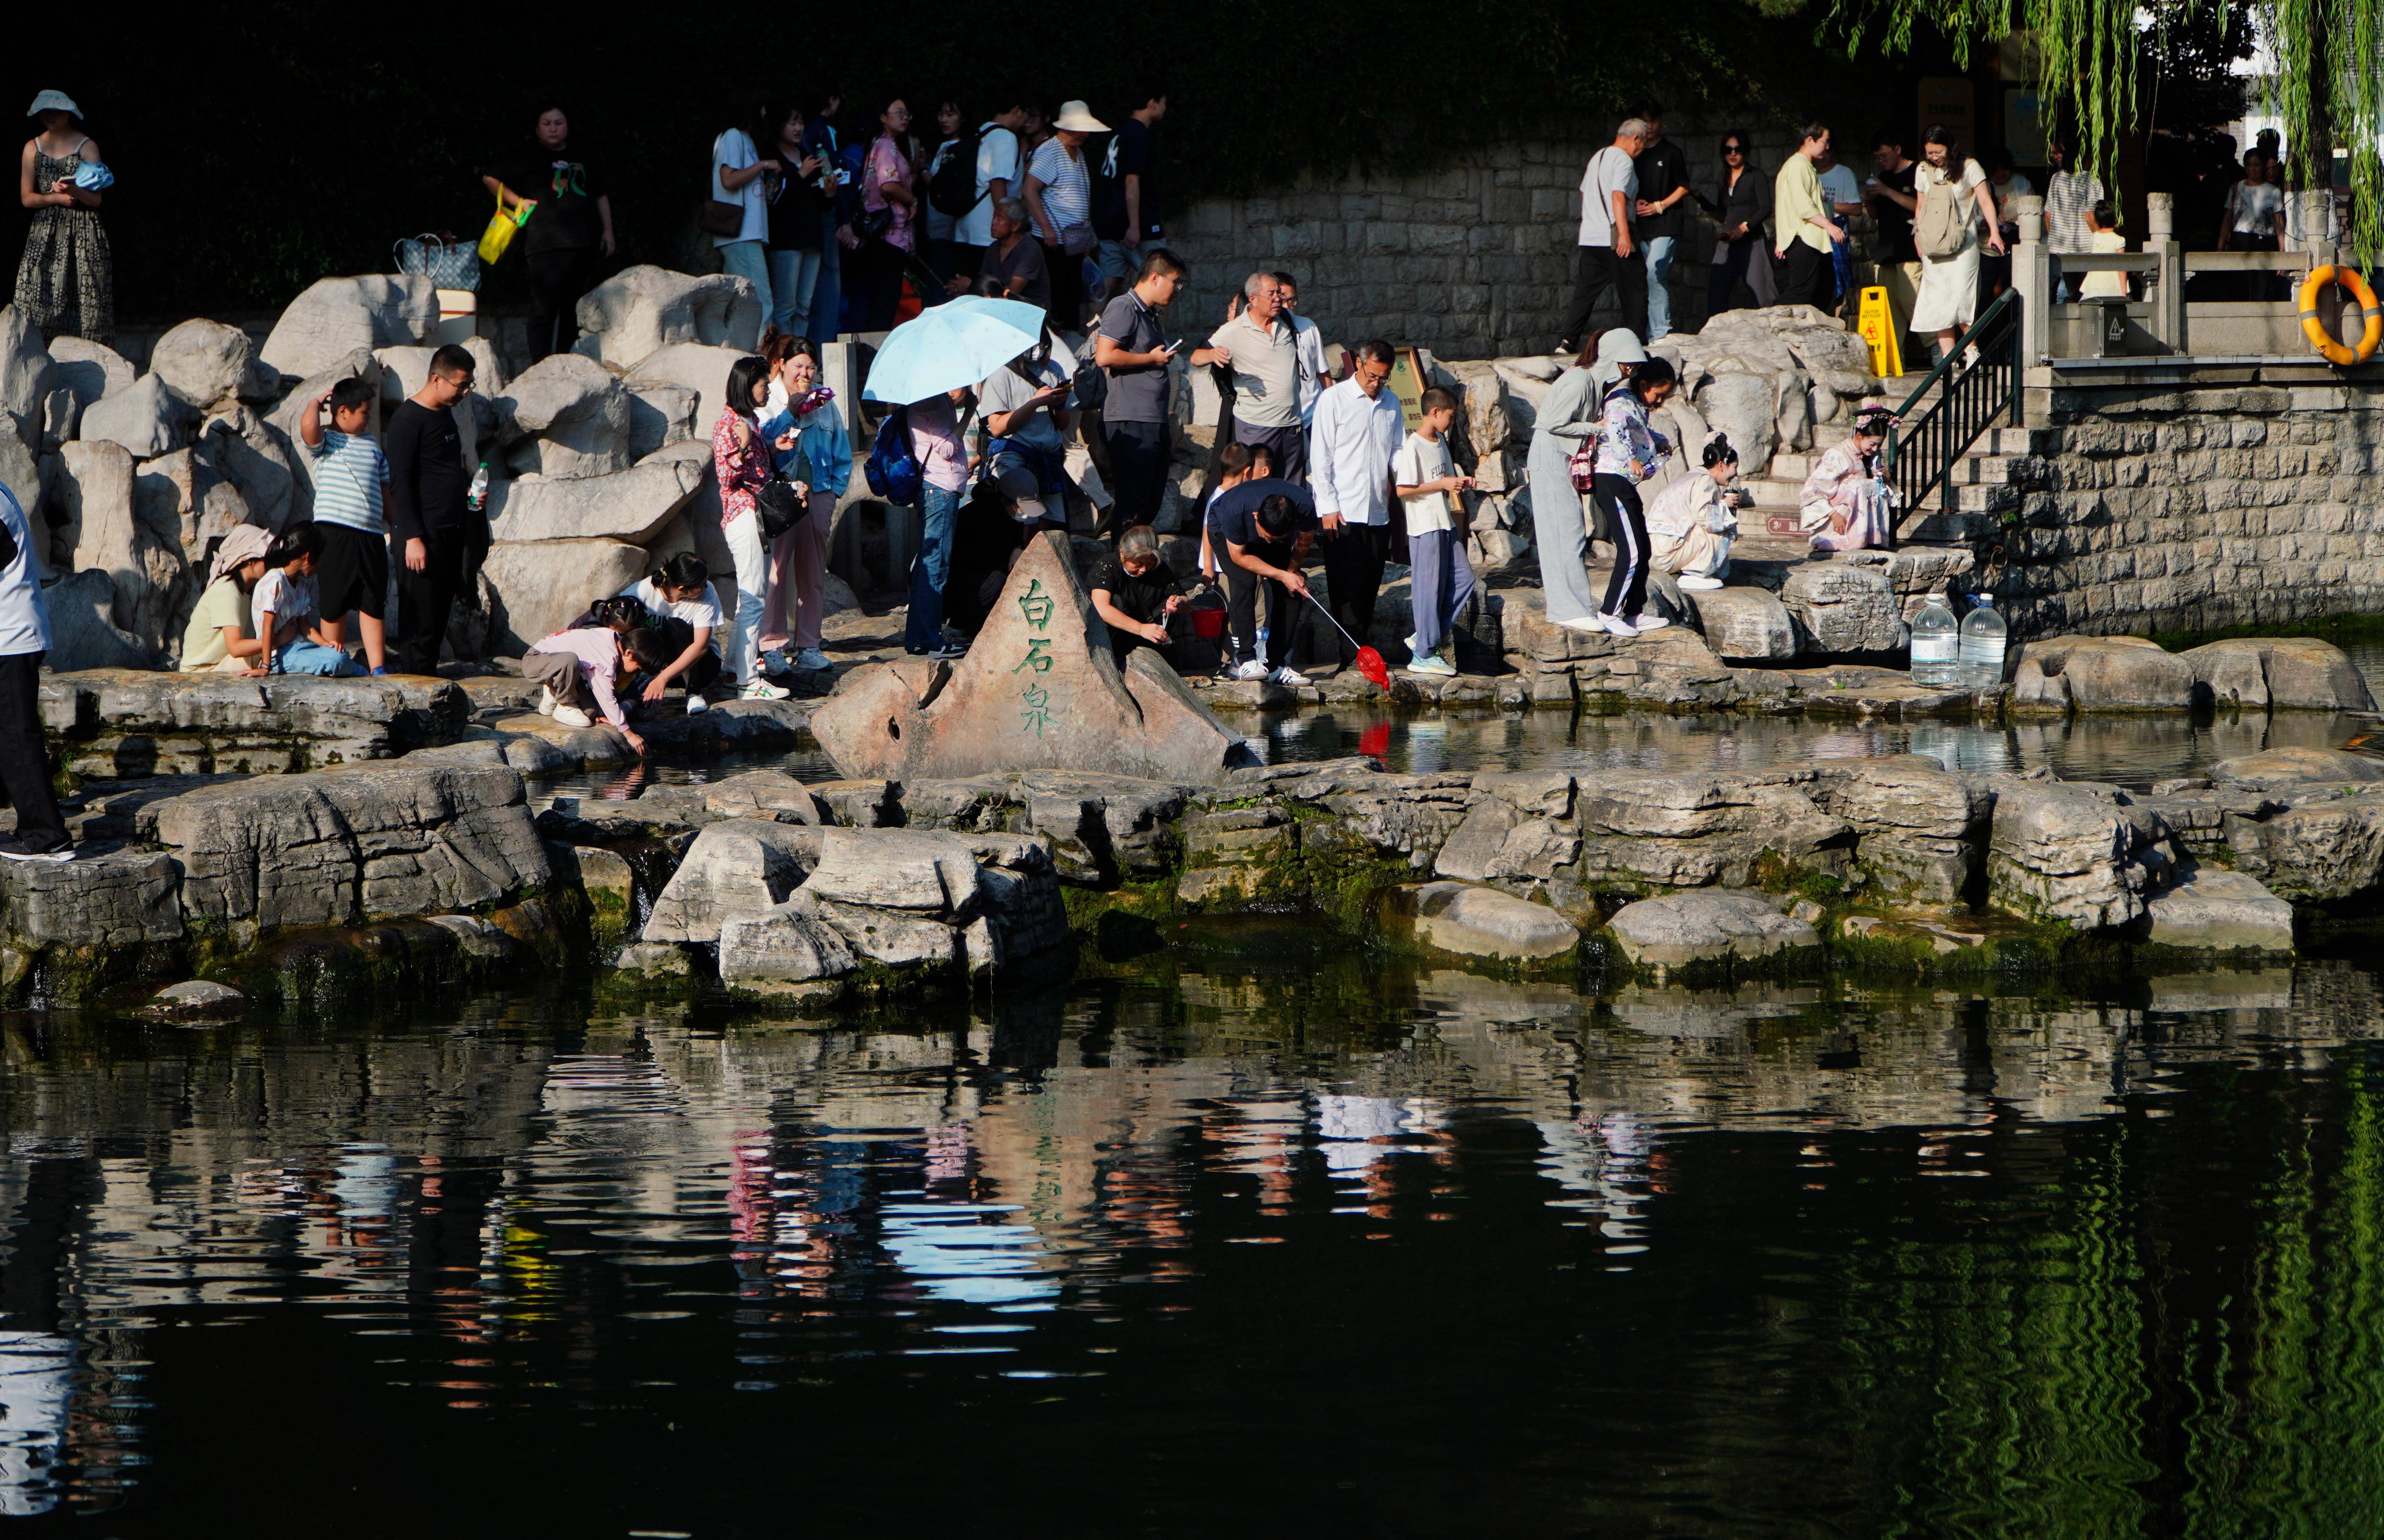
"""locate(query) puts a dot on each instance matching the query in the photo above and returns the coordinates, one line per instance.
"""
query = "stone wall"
(2181, 509)
(1475, 261)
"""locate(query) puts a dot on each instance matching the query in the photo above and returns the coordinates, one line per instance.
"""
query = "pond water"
(1258, 1235)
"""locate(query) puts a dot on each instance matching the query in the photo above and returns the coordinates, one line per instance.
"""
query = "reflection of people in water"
(36, 1394)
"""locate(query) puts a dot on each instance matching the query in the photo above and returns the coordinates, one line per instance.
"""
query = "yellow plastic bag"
(501, 228)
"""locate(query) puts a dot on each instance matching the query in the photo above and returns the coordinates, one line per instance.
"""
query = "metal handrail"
(1970, 403)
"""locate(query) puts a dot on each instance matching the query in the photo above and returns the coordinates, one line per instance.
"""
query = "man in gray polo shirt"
(1263, 352)
(1131, 345)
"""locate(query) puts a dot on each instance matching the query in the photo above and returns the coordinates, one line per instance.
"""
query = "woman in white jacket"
(1693, 521)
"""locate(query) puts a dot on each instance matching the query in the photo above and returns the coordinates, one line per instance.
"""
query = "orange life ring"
(2319, 338)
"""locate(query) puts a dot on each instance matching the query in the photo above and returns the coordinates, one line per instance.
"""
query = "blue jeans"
(828, 291)
(792, 277)
(1660, 296)
(304, 656)
(938, 511)
(748, 260)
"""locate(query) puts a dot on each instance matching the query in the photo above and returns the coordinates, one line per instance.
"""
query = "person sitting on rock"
(1847, 504)
(580, 669)
(286, 618)
(1692, 522)
(1134, 593)
(218, 638)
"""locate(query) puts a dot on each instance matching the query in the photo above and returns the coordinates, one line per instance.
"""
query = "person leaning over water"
(218, 638)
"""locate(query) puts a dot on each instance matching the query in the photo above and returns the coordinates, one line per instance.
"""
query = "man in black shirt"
(1134, 593)
(1663, 185)
(431, 527)
(1890, 196)
(569, 232)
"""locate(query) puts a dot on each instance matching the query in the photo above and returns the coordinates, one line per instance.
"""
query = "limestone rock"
(259, 464)
(633, 505)
(90, 370)
(84, 633)
(788, 948)
(1039, 689)
(1742, 406)
(1529, 631)
(566, 417)
(540, 585)
(143, 562)
(740, 866)
(1479, 839)
(2101, 674)
(1483, 921)
(115, 898)
(199, 999)
(2212, 909)
(1843, 605)
(336, 318)
(20, 470)
(2328, 845)
(24, 368)
(2281, 674)
(1653, 831)
(1743, 623)
(145, 417)
(660, 413)
(329, 847)
(107, 724)
(693, 365)
(2068, 852)
(2283, 766)
(206, 364)
(1920, 831)
(641, 310)
(1705, 926)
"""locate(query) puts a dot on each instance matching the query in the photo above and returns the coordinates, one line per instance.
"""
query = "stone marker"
(1038, 690)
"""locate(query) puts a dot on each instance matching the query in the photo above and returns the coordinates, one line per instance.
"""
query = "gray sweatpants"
(1559, 531)
(559, 672)
(1441, 581)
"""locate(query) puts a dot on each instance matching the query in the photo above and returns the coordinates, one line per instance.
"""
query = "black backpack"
(953, 189)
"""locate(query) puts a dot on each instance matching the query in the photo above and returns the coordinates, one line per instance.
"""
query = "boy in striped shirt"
(350, 471)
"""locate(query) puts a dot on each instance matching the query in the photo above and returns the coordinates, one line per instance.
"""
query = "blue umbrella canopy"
(955, 344)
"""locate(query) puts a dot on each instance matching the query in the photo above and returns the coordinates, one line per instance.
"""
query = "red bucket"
(1208, 625)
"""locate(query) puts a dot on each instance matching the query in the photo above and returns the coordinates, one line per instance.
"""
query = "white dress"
(1949, 285)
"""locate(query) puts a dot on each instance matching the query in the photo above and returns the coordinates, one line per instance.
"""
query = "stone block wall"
(2191, 508)
(1475, 261)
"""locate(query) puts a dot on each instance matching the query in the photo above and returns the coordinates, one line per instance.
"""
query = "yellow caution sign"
(1878, 327)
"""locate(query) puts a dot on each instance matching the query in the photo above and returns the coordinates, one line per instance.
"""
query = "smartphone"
(1176, 347)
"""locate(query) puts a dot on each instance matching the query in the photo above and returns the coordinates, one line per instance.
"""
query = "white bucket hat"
(58, 100)
(1076, 118)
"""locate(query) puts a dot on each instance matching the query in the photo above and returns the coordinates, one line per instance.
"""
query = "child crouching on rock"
(286, 618)
(1693, 521)
(581, 668)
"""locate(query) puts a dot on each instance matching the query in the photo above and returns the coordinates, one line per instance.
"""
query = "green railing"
(1923, 449)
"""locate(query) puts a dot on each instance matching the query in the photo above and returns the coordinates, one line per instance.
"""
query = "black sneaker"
(947, 652)
(17, 850)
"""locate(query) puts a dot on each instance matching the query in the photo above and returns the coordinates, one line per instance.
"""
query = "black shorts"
(352, 572)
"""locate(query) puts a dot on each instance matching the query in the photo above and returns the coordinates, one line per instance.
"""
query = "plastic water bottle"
(477, 498)
(1982, 665)
(1936, 642)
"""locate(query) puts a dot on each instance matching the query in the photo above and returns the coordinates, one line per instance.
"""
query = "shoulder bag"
(504, 226)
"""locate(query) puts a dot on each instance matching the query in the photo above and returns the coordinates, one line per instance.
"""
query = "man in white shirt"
(1313, 369)
(1263, 352)
(1609, 190)
(999, 176)
(1358, 430)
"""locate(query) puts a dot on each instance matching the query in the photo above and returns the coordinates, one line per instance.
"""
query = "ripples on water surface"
(1287, 1241)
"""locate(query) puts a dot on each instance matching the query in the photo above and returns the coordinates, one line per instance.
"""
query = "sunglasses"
(1733, 149)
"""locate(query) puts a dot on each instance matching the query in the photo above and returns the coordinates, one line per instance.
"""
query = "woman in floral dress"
(66, 285)
(1847, 504)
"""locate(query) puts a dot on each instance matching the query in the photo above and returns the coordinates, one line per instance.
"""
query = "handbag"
(503, 225)
(1582, 463)
(1077, 239)
(873, 223)
(446, 262)
(780, 505)
(720, 218)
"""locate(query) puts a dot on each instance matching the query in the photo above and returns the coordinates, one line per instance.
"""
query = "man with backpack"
(994, 173)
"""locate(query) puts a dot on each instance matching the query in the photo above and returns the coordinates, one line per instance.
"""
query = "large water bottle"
(1982, 663)
(1936, 644)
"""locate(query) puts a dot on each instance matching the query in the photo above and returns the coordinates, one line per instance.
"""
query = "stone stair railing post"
(2168, 293)
(2033, 276)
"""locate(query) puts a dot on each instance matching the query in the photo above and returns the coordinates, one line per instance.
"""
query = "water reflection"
(1818, 1260)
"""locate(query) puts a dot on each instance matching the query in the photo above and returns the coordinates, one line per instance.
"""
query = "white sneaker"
(810, 660)
(570, 716)
(1435, 665)
(1642, 624)
(1590, 623)
(762, 689)
(545, 702)
(1615, 625)
(1700, 584)
(1412, 644)
(1288, 676)
(696, 702)
(1252, 671)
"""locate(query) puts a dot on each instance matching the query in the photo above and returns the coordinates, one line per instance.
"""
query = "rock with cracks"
(1706, 927)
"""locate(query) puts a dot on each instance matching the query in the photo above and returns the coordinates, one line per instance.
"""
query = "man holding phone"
(1132, 345)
